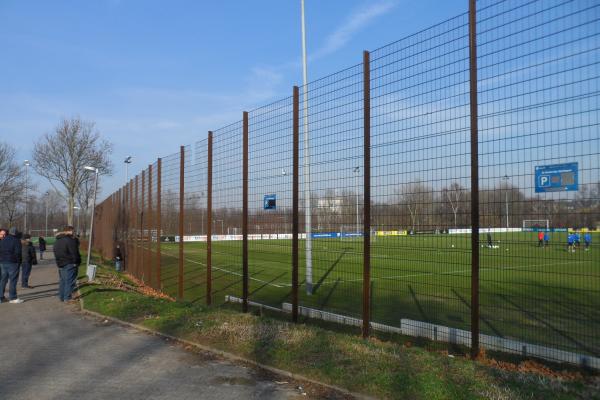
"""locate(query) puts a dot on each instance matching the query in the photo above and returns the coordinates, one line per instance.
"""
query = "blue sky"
(155, 74)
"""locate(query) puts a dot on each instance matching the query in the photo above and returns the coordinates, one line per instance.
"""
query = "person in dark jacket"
(118, 258)
(42, 246)
(10, 259)
(28, 259)
(66, 253)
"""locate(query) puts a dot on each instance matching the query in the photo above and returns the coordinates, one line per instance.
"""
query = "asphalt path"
(50, 350)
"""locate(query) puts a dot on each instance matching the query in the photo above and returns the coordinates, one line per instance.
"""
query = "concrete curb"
(226, 355)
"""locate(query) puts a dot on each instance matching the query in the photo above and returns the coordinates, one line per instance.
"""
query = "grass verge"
(386, 369)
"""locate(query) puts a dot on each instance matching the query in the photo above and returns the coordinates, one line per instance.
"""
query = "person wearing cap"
(28, 259)
(10, 259)
(66, 253)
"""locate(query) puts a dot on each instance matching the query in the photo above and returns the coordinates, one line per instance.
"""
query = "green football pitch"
(540, 295)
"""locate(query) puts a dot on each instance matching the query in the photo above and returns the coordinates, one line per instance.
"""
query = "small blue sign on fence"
(270, 202)
(557, 177)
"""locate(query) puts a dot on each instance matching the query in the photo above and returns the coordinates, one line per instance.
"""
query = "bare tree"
(61, 157)
(454, 194)
(416, 196)
(11, 174)
(12, 184)
(10, 207)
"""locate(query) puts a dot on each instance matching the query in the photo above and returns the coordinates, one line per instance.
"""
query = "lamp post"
(357, 172)
(201, 215)
(506, 178)
(27, 164)
(46, 225)
(306, 162)
(284, 214)
(78, 216)
(127, 162)
(95, 171)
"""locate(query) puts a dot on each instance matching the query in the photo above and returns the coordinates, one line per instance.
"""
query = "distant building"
(333, 206)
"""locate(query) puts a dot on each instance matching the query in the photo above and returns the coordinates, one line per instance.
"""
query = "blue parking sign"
(557, 177)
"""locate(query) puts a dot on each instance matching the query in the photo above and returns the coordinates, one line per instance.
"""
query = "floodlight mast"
(127, 162)
(26, 163)
(506, 178)
(78, 217)
(306, 164)
(357, 172)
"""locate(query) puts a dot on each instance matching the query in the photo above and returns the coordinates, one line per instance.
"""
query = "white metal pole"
(506, 178)
(306, 163)
(126, 171)
(92, 219)
(357, 183)
(26, 196)
(507, 225)
(46, 226)
(78, 218)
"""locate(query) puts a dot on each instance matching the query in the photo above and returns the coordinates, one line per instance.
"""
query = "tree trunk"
(71, 204)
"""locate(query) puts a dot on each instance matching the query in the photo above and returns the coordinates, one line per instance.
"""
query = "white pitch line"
(451, 272)
(282, 285)
(230, 272)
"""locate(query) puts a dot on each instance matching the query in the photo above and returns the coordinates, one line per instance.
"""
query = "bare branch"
(61, 157)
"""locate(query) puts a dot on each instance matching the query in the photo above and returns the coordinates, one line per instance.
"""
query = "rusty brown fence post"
(136, 227)
(296, 150)
(181, 220)
(367, 196)
(150, 262)
(245, 214)
(474, 181)
(158, 223)
(130, 227)
(126, 226)
(142, 247)
(209, 223)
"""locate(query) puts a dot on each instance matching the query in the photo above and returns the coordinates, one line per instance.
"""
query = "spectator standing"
(10, 259)
(42, 246)
(28, 259)
(66, 253)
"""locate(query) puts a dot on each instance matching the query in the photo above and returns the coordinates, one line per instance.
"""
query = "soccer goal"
(536, 223)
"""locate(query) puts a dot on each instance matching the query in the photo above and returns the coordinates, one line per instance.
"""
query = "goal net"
(536, 224)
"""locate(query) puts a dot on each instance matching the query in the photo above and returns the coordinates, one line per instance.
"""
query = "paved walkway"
(49, 350)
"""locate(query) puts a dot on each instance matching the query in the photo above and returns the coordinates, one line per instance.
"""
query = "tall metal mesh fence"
(389, 155)
(421, 178)
(195, 224)
(227, 212)
(169, 229)
(538, 105)
(331, 138)
(270, 203)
